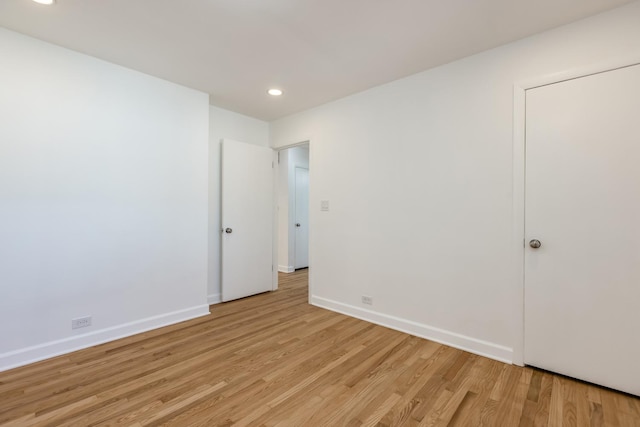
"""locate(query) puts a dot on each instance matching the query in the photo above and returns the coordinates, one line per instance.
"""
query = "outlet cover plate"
(81, 322)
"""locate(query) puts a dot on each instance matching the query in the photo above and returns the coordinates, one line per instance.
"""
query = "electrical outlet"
(81, 322)
(367, 300)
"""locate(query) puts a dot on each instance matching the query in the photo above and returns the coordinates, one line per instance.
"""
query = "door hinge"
(278, 157)
(272, 268)
(272, 166)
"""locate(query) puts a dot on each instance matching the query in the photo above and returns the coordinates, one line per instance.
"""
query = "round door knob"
(297, 224)
(535, 244)
(228, 230)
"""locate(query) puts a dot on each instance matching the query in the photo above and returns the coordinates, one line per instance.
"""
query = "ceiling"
(315, 50)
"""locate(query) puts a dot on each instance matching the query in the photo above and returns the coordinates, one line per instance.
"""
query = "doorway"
(301, 218)
(293, 208)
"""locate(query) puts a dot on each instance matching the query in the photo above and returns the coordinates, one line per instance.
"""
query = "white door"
(247, 219)
(302, 217)
(582, 285)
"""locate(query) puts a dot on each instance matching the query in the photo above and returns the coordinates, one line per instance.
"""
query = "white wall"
(103, 200)
(225, 124)
(419, 176)
(290, 159)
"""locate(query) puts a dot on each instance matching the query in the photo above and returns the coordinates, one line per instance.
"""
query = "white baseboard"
(214, 299)
(452, 339)
(25, 356)
(286, 269)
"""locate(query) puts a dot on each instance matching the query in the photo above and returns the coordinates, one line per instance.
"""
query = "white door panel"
(247, 219)
(582, 286)
(302, 217)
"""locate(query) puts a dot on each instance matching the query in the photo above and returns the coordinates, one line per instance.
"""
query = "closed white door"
(247, 219)
(582, 284)
(302, 217)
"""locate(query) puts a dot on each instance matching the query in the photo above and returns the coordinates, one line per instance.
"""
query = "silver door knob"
(297, 224)
(535, 244)
(228, 230)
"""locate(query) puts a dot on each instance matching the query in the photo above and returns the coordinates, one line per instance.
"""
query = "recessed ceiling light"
(45, 1)
(274, 92)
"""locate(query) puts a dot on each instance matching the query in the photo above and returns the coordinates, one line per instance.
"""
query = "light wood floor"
(274, 360)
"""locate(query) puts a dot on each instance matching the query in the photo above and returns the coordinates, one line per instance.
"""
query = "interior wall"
(419, 176)
(103, 200)
(225, 124)
(290, 159)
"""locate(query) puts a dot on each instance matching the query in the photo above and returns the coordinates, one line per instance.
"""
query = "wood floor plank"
(569, 411)
(510, 408)
(274, 360)
(556, 409)
(609, 408)
(582, 404)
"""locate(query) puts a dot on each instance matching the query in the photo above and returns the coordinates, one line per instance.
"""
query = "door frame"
(519, 162)
(276, 228)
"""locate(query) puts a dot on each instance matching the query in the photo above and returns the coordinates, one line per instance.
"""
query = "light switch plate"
(324, 205)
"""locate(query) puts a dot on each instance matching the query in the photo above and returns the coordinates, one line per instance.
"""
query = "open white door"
(582, 262)
(302, 217)
(247, 219)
